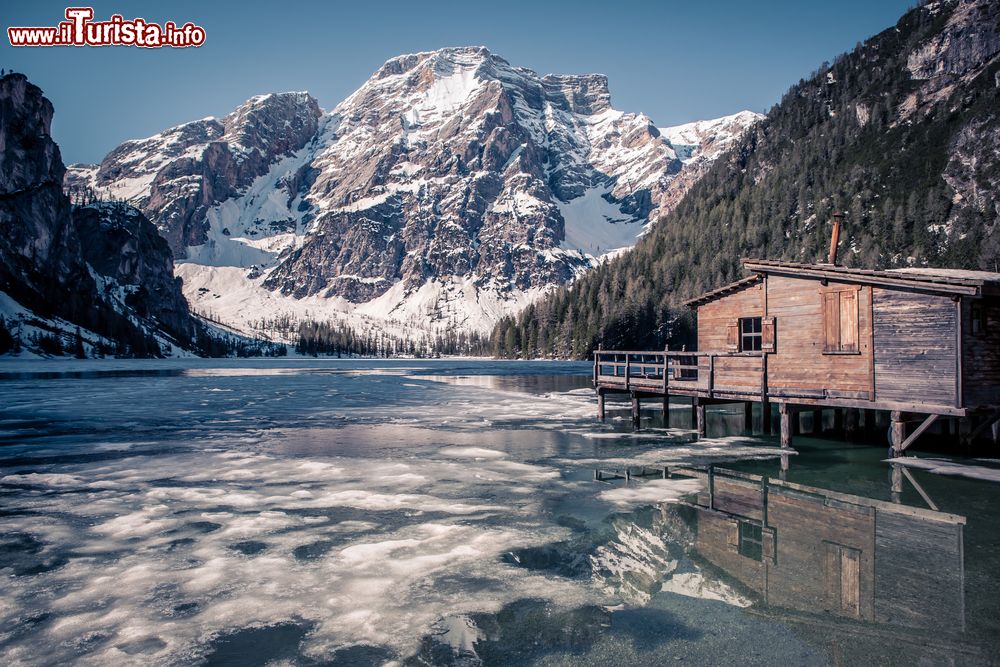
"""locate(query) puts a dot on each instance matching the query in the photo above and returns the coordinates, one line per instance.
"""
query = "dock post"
(765, 417)
(600, 404)
(666, 411)
(897, 483)
(748, 417)
(699, 409)
(817, 422)
(635, 411)
(897, 431)
(838, 420)
(851, 419)
(786, 424)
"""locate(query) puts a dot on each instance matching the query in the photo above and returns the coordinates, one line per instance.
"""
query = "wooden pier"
(918, 345)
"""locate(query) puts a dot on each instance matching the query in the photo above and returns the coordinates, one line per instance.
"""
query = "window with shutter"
(840, 321)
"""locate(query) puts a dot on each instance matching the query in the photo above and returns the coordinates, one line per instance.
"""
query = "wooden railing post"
(711, 373)
(666, 382)
(628, 370)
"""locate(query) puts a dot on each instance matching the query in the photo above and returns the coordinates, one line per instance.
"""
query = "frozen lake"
(309, 512)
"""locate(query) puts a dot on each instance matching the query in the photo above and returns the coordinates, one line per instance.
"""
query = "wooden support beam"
(765, 405)
(699, 409)
(838, 420)
(786, 423)
(666, 412)
(988, 421)
(897, 484)
(871, 422)
(852, 417)
(694, 412)
(897, 431)
(817, 425)
(748, 417)
(920, 489)
(600, 404)
(636, 407)
(913, 436)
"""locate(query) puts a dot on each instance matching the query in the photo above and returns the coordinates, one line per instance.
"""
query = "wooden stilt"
(897, 483)
(817, 425)
(787, 416)
(871, 422)
(700, 424)
(765, 417)
(897, 431)
(851, 418)
(600, 404)
(666, 412)
(838, 420)
(635, 412)
(964, 431)
(748, 417)
(694, 412)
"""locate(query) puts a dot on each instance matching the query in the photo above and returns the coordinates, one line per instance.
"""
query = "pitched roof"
(948, 281)
(723, 291)
(945, 281)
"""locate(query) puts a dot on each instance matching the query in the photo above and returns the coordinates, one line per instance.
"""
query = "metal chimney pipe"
(835, 236)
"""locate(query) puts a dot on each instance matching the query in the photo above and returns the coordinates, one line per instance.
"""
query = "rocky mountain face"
(447, 191)
(176, 176)
(102, 268)
(902, 135)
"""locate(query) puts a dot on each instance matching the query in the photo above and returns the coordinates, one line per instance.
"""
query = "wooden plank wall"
(715, 316)
(798, 362)
(919, 572)
(915, 347)
(807, 528)
(715, 543)
(981, 353)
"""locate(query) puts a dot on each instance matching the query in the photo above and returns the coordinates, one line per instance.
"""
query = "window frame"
(752, 545)
(757, 335)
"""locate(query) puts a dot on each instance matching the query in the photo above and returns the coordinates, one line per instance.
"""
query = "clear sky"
(675, 61)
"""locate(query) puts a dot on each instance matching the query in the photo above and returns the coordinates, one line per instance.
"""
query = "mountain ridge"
(902, 134)
(449, 190)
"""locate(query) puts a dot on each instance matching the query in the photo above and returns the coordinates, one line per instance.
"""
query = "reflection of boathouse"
(810, 550)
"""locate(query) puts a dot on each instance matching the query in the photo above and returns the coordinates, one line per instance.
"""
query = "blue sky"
(674, 61)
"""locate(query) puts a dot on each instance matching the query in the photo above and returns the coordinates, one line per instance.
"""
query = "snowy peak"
(707, 139)
(450, 189)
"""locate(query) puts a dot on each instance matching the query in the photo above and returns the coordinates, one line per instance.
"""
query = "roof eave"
(959, 287)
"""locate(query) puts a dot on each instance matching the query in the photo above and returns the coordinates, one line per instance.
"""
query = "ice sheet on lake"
(154, 514)
(947, 467)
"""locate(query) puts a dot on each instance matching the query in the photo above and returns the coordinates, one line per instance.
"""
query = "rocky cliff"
(103, 269)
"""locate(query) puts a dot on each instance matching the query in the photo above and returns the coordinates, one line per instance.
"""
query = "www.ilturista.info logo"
(79, 29)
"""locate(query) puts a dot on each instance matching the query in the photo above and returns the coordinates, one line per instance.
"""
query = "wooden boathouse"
(918, 343)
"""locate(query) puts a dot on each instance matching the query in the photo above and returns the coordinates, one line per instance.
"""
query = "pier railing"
(701, 373)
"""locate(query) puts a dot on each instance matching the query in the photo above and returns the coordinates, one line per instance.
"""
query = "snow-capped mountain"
(449, 190)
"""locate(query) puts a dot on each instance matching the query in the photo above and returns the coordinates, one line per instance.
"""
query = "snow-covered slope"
(449, 190)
